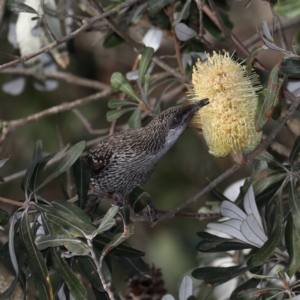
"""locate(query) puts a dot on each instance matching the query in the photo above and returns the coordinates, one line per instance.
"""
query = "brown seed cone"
(146, 288)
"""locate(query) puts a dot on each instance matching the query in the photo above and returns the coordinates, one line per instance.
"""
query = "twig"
(12, 202)
(10, 125)
(87, 23)
(199, 5)
(169, 12)
(67, 77)
(48, 27)
(248, 159)
(87, 124)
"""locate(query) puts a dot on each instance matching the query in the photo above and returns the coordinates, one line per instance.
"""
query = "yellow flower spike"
(228, 121)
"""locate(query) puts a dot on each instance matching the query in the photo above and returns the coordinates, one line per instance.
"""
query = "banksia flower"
(228, 121)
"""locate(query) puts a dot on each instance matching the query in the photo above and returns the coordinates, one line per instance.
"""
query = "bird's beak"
(201, 103)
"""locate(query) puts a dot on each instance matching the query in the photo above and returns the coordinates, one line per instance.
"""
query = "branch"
(248, 159)
(8, 126)
(67, 77)
(12, 202)
(87, 23)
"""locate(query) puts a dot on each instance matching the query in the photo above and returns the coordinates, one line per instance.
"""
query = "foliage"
(51, 241)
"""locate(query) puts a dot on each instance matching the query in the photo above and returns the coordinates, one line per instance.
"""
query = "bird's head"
(174, 120)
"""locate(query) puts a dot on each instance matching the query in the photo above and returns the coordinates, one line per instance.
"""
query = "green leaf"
(267, 177)
(75, 228)
(16, 6)
(113, 115)
(82, 176)
(35, 159)
(90, 271)
(250, 294)
(119, 82)
(72, 244)
(122, 250)
(287, 9)
(267, 157)
(154, 6)
(115, 103)
(217, 275)
(290, 66)
(135, 120)
(65, 208)
(267, 250)
(40, 166)
(252, 283)
(139, 199)
(254, 52)
(184, 13)
(147, 79)
(264, 110)
(75, 286)
(66, 163)
(295, 151)
(112, 40)
(4, 217)
(146, 57)
(292, 242)
(134, 267)
(294, 201)
(295, 44)
(108, 221)
(35, 259)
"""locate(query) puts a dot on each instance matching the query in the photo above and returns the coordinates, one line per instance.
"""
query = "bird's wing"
(99, 158)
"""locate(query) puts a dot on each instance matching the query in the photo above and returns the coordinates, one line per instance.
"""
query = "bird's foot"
(121, 201)
(153, 213)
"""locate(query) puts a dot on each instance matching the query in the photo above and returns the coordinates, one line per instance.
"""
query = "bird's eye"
(177, 119)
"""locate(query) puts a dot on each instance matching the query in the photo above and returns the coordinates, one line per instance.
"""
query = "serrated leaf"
(154, 6)
(75, 286)
(113, 115)
(4, 217)
(292, 242)
(287, 9)
(135, 120)
(217, 275)
(119, 82)
(290, 66)
(66, 163)
(295, 151)
(115, 103)
(82, 176)
(264, 112)
(250, 58)
(145, 60)
(183, 32)
(186, 288)
(184, 13)
(134, 267)
(16, 6)
(35, 259)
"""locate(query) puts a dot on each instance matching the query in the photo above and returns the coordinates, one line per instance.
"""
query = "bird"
(126, 159)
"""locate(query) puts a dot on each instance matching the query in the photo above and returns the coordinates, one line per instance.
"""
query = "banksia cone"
(228, 121)
(146, 288)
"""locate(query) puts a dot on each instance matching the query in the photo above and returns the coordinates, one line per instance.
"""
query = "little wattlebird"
(122, 161)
